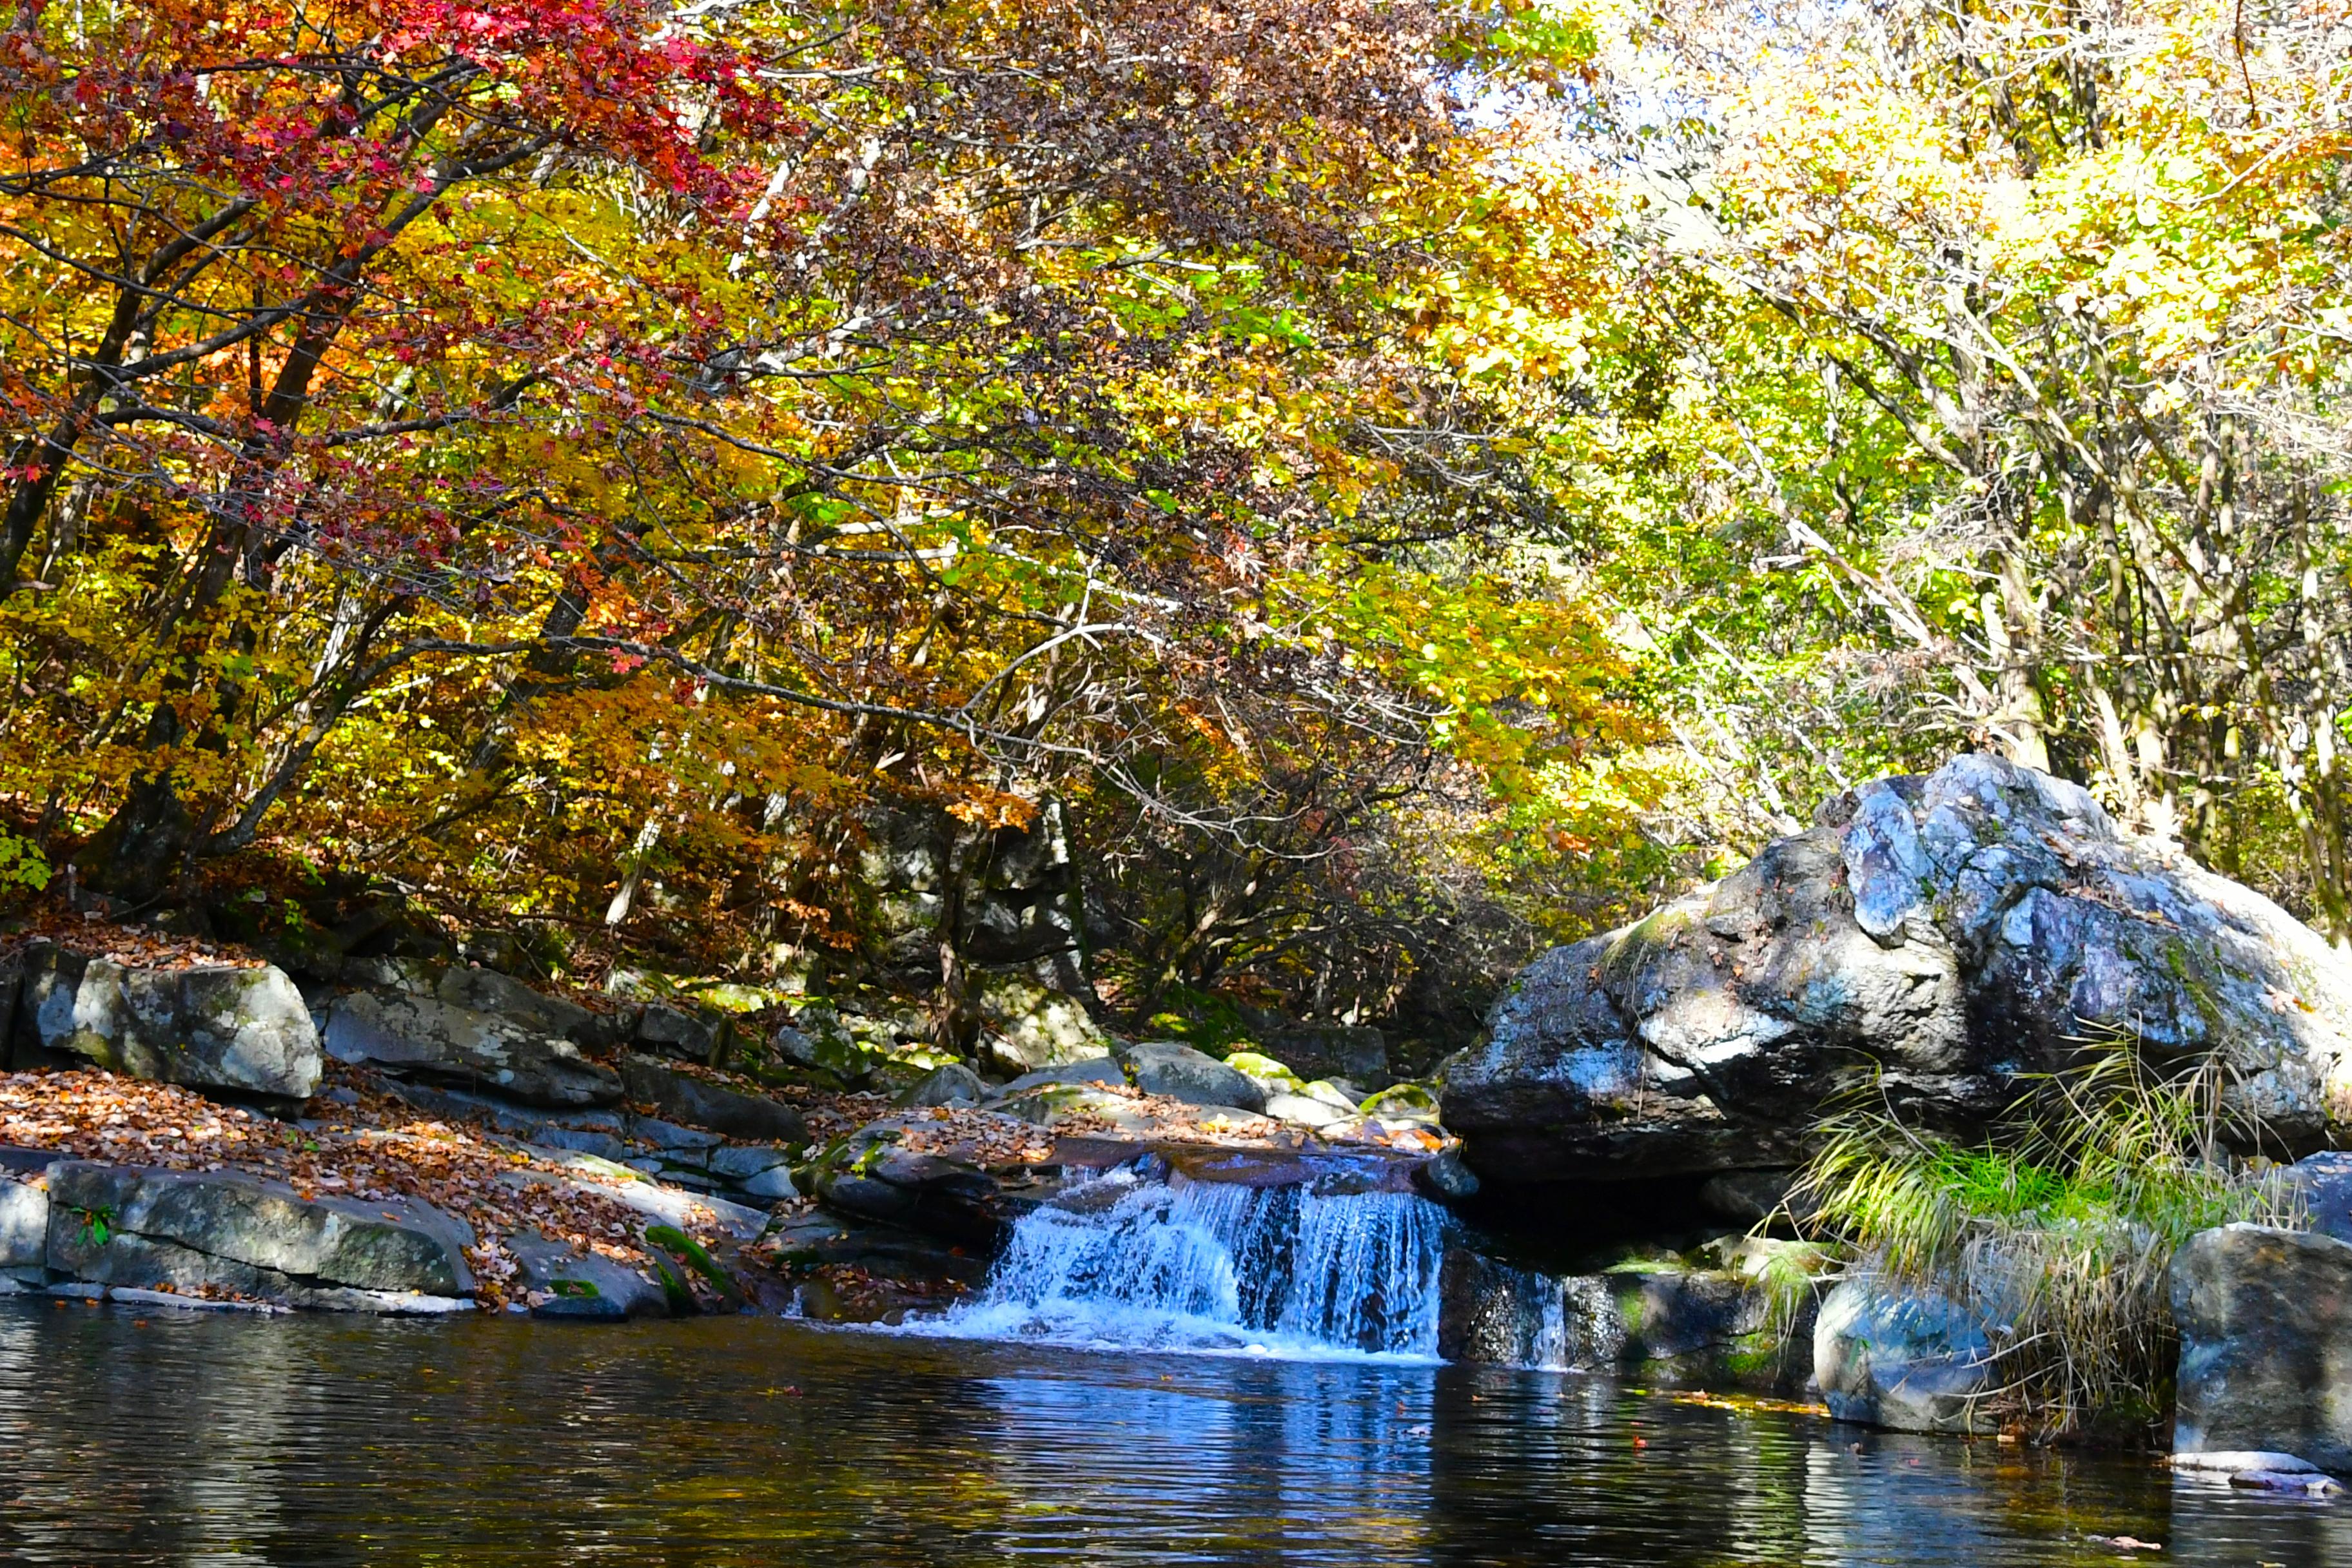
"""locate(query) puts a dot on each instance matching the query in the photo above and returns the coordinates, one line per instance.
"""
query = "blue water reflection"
(172, 1438)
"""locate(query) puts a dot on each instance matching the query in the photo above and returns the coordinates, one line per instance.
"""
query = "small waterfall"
(1132, 1260)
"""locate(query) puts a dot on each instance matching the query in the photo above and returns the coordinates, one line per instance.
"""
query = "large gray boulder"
(1196, 1077)
(2265, 1320)
(1949, 932)
(487, 991)
(427, 1038)
(1908, 1359)
(224, 1230)
(211, 1027)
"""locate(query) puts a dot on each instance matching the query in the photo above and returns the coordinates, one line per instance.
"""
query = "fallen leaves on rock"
(374, 1149)
(133, 947)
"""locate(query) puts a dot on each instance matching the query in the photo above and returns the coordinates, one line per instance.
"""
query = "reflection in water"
(185, 1438)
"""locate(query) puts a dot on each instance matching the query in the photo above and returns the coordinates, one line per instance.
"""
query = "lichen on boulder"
(1946, 934)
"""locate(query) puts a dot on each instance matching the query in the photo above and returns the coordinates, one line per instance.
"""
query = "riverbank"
(411, 1137)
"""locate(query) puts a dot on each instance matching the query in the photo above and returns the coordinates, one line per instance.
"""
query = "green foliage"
(2059, 1228)
(22, 864)
(696, 1256)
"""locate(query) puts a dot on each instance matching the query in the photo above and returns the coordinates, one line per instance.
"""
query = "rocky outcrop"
(427, 1038)
(487, 991)
(242, 1029)
(692, 1099)
(2265, 1322)
(1948, 933)
(1008, 898)
(1027, 1025)
(199, 1232)
(1908, 1359)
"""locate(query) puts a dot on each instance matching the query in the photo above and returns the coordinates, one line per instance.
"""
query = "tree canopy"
(1416, 477)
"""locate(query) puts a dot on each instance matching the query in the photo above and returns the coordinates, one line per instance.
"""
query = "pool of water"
(137, 1437)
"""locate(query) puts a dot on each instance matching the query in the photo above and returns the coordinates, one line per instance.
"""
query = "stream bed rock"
(428, 1038)
(192, 1231)
(703, 1104)
(1905, 1359)
(1948, 933)
(2265, 1320)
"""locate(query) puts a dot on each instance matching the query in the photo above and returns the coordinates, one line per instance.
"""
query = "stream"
(139, 1436)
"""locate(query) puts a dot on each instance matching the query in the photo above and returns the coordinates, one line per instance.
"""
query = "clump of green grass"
(2057, 1228)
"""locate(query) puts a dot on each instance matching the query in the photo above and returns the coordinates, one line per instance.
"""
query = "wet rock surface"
(1903, 1358)
(1948, 933)
(2265, 1322)
(566, 1283)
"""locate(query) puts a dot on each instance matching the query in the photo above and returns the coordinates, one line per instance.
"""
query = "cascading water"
(1134, 1260)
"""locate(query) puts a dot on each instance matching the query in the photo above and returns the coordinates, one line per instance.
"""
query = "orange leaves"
(992, 808)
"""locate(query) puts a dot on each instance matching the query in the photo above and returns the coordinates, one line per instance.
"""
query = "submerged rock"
(1948, 933)
(2265, 1320)
(245, 1030)
(1908, 1359)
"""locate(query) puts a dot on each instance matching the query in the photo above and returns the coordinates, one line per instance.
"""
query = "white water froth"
(1131, 1262)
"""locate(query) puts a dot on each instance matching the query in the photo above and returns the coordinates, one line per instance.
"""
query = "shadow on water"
(159, 1438)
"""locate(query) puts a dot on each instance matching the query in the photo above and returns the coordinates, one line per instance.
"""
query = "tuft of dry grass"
(2058, 1228)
